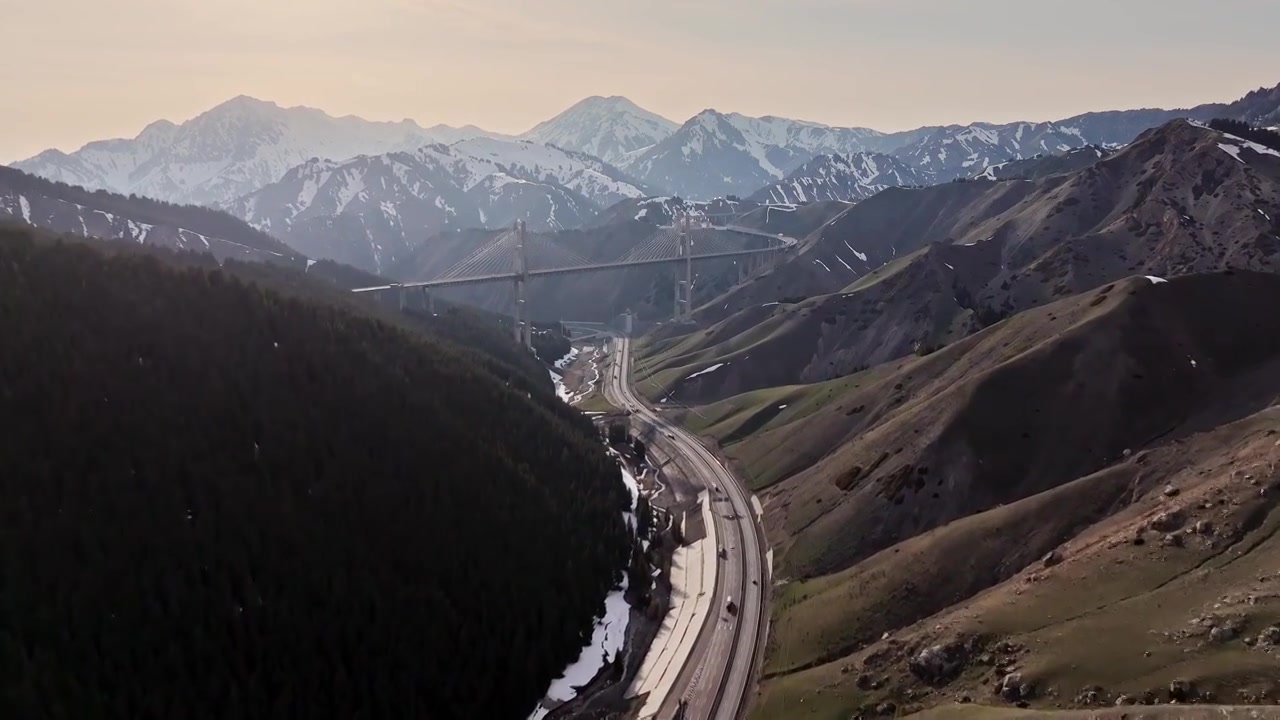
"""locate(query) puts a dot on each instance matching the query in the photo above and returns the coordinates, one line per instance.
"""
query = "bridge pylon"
(684, 286)
(523, 331)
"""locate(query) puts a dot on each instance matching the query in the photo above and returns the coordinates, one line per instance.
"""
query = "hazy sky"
(80, 70)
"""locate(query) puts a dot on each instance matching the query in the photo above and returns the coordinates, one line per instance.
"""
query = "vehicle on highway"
(670, 436)
(723, 555)
(730, 606)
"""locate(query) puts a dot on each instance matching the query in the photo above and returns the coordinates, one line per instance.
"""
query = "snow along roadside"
(610, 632)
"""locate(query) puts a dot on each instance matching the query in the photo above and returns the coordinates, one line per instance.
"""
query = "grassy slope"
(828, 618)
(1113, 614)
(1171, 204)
(771, 331)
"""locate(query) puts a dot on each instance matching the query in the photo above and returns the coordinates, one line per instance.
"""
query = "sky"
(95, 69)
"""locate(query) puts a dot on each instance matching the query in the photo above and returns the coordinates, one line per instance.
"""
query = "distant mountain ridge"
(914, 269)
(1042, 165)
(298, 173)
(716, 154)
(245, 144)
(950, 153)
(229, 151)
(847, 178)
(372, 210)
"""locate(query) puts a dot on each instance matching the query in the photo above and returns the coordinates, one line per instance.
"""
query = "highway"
(717, 673)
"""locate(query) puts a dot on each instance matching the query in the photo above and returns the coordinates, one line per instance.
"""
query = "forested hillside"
(225, 501)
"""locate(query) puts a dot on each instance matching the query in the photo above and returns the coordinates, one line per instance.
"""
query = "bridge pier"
(675, 311)
(517, 313)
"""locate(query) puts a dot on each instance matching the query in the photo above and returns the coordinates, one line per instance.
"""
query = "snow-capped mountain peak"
(371, 210)
(606, 127)
(227, 151)
(716, 154)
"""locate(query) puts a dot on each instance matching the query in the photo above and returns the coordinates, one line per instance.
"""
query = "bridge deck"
(568, 270)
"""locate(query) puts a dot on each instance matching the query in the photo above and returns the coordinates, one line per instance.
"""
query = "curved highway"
(787, 242)
(716, 677)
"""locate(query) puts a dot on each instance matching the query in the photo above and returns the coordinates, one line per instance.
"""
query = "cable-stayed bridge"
(515, 256)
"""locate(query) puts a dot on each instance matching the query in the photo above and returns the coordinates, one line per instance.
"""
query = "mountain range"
(716, 154)
(228, 151)
(368, 192)
(1045, 164)
(847, 178)
(370, 211)
(913, 269)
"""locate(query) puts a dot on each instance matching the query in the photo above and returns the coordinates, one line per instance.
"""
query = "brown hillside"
(798, 222)
(945, 478)
(1045, 397)
(945, 261)
(1152, 581)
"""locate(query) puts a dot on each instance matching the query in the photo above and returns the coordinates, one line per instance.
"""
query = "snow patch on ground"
(562, 392)
(607, 639)
(1231, 150)
(609, 636)
(824, 265)
(1156, 280)
(568, 358)
(859, 255)
(711, 369)
(1234, 151)
(595, 376)
(633, 487)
